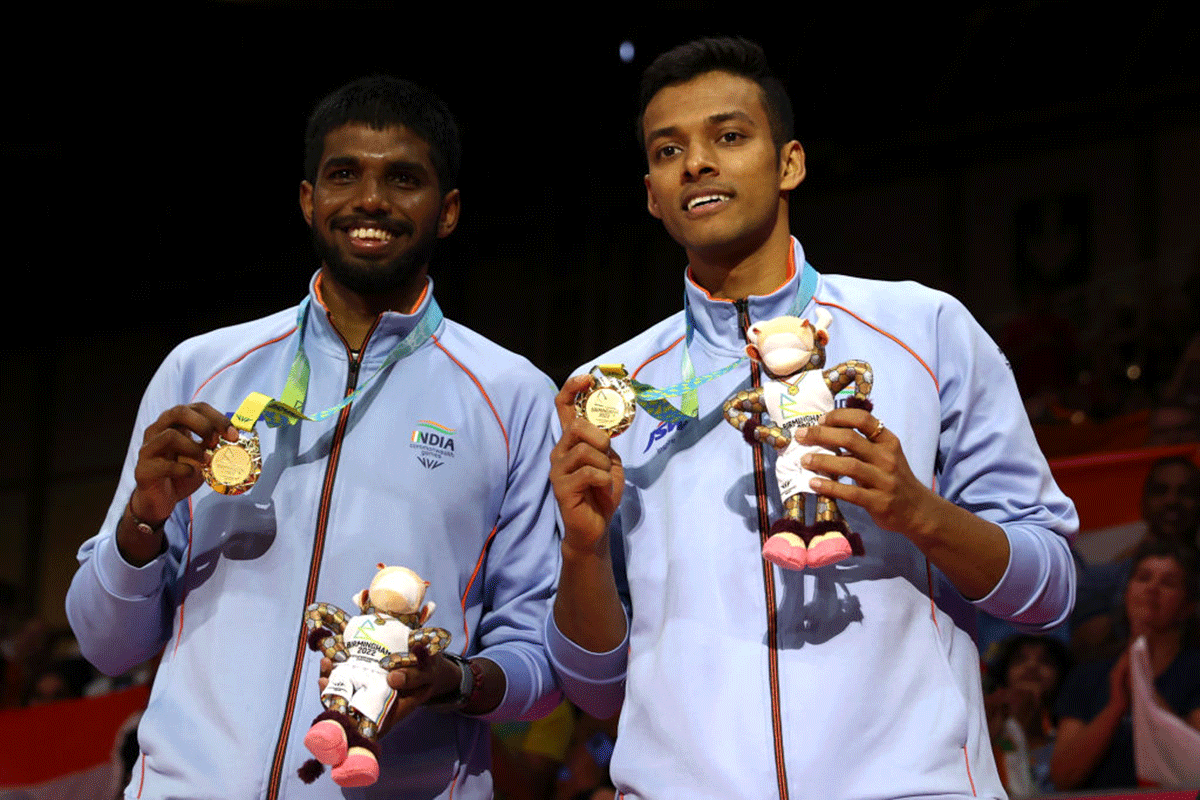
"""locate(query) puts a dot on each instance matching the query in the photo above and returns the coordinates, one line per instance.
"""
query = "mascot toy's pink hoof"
(825, 551)
(327, 741)
(359, 769)
(786, 550)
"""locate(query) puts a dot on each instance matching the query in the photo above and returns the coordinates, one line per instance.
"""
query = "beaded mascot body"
(385, 636)
(795, 395)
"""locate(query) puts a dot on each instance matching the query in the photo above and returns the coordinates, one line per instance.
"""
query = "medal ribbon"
(655, 401)
(289, 407)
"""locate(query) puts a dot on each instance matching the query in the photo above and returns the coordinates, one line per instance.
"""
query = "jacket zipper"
(314, 570)
(764, 527)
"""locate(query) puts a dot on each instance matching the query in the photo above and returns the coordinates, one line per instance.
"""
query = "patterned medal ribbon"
(289, 407)
(655, 401)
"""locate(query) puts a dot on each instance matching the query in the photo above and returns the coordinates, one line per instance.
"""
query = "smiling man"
(742, 679)
(421, 445)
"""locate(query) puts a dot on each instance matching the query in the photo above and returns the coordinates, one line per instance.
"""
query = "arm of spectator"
(1080, 746)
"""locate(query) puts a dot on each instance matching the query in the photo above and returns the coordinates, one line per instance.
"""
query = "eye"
(342, 175)
(667, 151)
(731, 137)
(405, 180)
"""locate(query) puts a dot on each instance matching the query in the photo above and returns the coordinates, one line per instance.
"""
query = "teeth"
(370, 233)
(704, 200)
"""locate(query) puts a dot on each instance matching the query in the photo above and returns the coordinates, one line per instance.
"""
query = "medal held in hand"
(233, 467)
(611, 401)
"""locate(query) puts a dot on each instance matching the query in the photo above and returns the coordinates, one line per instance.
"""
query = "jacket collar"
(715, 321)
(390, 328)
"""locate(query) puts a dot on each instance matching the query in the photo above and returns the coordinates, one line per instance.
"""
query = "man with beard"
(398, 437)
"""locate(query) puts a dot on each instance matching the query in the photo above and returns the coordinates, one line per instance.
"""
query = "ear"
(752, 353)
(360, 599)
(448, 219)
(791, 166)
(426, 613)
(822, 338)
(306, 201)
(651, 200)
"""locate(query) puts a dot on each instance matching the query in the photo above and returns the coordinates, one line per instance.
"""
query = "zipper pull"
(743, 308)
(352, 370)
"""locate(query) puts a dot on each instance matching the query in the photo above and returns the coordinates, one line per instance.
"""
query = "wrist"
(591, 551)
(140, 540)
(145, 522)
(468, 686)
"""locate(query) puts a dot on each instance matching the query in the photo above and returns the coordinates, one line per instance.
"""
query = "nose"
(700, 162)
(371, 197)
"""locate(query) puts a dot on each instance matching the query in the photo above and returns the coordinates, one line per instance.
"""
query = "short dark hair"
(1176, 460)
(734, 55)
(1184, 555)
(381, 101)
(1058, 653)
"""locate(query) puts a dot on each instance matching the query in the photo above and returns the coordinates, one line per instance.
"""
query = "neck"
(353, 314)
(758, 269)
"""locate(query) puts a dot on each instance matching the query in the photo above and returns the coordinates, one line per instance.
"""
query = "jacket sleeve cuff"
(529, 689)
(123, 580)
(593, 681)
(1037, 590)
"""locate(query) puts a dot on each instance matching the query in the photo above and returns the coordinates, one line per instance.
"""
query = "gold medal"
(234, 466)
(611, 402)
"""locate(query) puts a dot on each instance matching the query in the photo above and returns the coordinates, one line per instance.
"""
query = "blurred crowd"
(43, 665)
(1111, 372)
(1060, 708)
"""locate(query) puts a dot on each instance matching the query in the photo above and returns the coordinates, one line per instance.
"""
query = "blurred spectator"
(24, 638)
(1028, 671)
(1040, 345)
(563, 756)
(1173, 423)
(63, 679)
(584, 774)
(1171, 511)
(1094, 749)
(526, 756)
(1171, 501)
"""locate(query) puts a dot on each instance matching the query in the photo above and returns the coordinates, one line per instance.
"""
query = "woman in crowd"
(1094, 749)
(1028, 671)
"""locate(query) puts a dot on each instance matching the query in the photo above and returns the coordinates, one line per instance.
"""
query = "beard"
(375, 278)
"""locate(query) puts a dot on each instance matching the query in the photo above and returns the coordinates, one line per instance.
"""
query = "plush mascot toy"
(364, 648)
(795, 395)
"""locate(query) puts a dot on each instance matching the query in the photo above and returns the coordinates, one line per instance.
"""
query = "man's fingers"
(581, 456)
(564, 402)
(199, 419)
(422, 654)
(850, 440)
(171, 445)
(869, 426)
(408, 681)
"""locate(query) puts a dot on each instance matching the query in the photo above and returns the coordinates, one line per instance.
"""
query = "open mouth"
(366, 234)
(704, 200)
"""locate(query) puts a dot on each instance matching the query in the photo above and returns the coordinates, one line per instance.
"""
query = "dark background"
(162, 164)
(156, 161)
